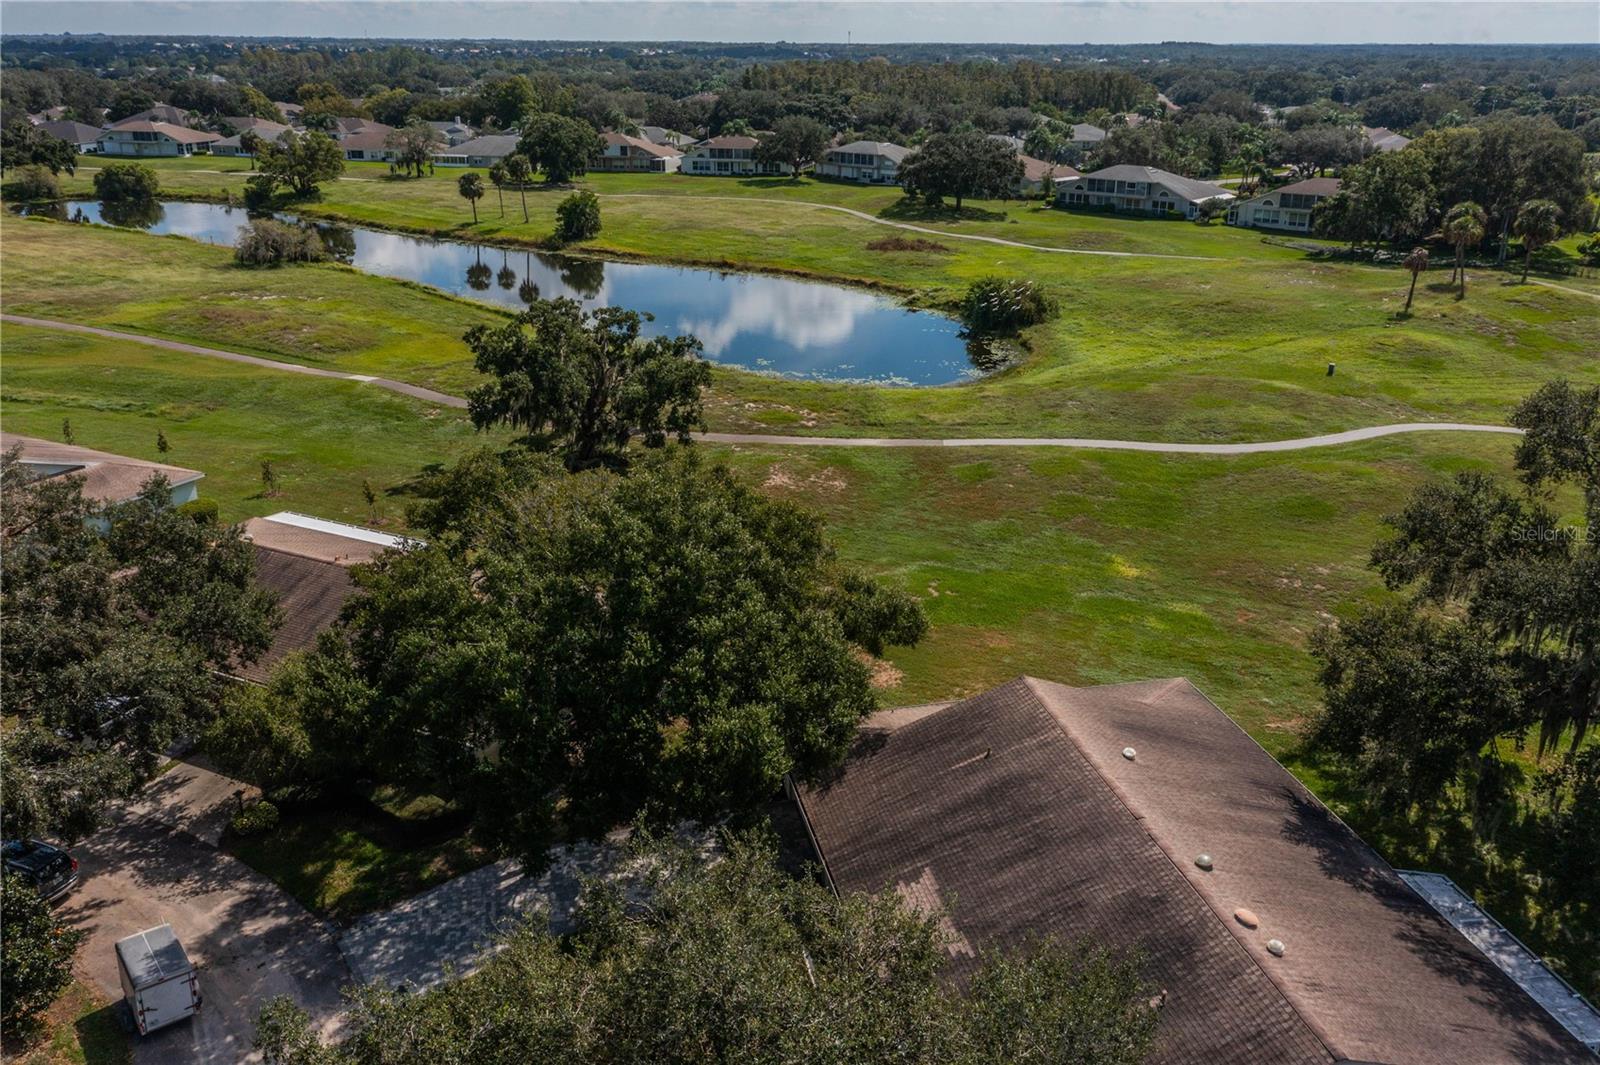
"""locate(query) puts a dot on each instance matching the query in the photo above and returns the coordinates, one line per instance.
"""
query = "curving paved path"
(876, 220)
(444, 399)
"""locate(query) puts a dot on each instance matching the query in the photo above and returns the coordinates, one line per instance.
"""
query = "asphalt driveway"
(250, 939)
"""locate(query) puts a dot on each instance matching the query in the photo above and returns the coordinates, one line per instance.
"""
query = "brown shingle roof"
(310, 593)
(1317, 186)
(181, 134)
(660, 151)
(732, 140)
(107, 478)
(1020, 803)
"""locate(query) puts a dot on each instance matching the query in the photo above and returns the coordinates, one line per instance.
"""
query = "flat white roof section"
(339, 528)
(1575, 1012)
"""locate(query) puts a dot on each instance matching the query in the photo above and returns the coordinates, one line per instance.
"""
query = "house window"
(141, 135)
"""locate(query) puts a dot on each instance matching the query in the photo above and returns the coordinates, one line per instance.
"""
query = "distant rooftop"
(107, 478)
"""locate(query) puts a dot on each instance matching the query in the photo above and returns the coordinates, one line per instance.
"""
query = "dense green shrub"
(203, 511)
(1000, 305)
(35, 959)
(126, 181)
(266, 242)
(33, 183)
(578, 217)
(254, 820)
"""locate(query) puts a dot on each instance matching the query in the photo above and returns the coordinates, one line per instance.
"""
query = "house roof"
(730, 141)
(661, 135)
(894, 152)
(158, 113)
(107, 478)
(1317, 186)
(659, 150)
(493, 145)
(1385, 140)
(365, 140)
(1040, 170)
(1190, 189)
(263, 127)
(309, 592)
(320, 539)
(181, 134)
(1021, 804)
(72, 132)
(446, 127)
(1082, 131)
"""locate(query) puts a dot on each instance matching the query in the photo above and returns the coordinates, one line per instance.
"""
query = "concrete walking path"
(1349, 436)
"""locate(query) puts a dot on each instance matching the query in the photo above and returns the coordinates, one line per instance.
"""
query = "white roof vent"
(1204, 862)
(1275, 947)
(1129, 753)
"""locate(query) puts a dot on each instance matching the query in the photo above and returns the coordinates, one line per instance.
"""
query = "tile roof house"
(306, 563)
(1288, 207)
(1140, 816)
(140, 138)
(728, 156)
(623, 152)
(83, 137)
(1140, 188)
(869, 162)
(486, 150)
(107, 479)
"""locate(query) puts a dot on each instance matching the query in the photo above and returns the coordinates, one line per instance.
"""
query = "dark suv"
(51, 870)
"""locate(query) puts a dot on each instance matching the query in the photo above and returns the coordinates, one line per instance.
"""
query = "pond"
(775, 325)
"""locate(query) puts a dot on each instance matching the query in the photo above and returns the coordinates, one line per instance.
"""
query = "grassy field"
(1142, 348)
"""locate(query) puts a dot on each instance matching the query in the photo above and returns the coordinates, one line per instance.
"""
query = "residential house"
(177, 116)
(869, 162)
(1384, 140)
(1086, 137)
(668, 137)
(264, 127)
(107, 479)
(1288, 207)
(267, 131)
(154, 138)
(453, 132)
(371, 145)
(49, 114)
(1140, 817)
(1014, 143)
(1139, 188)
(83, 137)
(1037, 173)
(291, 112)
(479, 151)
(728, 156)
(306, 562)
(348, 125)
(623, 152)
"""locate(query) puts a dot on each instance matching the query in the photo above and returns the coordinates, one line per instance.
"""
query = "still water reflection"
(770, 324)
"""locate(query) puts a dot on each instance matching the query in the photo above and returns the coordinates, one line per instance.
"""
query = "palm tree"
(1416, 262)
(1464, 226)
(520, 171)
(497, 177)
(1538, 223)
(471, 189)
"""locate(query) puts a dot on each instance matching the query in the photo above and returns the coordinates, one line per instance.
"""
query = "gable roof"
(263, 127)
(158, 113)
(729, 141)
(72, 132)
(181, 134)
(1041, 170)
(107, 478)
(895, 153)
(1189, 188)
(661, 151)
(1021, 804)
(1385, 140)
(1082, 131)
(490, 144)
(662, 135)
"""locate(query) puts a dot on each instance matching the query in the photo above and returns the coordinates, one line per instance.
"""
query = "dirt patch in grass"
(906, 244)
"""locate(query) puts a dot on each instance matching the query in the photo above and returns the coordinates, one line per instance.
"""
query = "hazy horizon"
(869, 22)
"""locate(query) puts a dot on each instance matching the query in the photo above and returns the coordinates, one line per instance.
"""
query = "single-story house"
(267, 131)
(159, 113)
(1140, 188)
(728, 156)
(479, 151)
(671, 138)
(1086, 136)
(367, 146)
(1036, 172)
(306, 562)
(83, 137)
(107, 479)
(154, 138)
(1384, 140)
(869, 162)
(1288, 207)
(1140, 817)
(453, 132)
(623, 152)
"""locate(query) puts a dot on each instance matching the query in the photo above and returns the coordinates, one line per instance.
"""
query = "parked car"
(51, 870)
(159, 982)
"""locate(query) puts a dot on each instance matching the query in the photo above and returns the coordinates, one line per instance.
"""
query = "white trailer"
(158, 980)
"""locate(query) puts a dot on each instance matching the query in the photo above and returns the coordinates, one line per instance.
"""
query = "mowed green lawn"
(1142, 348)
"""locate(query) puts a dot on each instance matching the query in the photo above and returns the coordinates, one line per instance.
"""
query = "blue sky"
(1430, 21)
